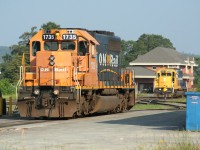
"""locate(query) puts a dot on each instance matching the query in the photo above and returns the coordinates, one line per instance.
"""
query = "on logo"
(108, 60)
(45, 69)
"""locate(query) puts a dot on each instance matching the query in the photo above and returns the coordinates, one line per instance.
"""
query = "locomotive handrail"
(21, 78)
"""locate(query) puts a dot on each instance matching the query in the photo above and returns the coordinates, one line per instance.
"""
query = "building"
(146, 65)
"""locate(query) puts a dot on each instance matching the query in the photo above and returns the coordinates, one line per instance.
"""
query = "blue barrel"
(193, 111)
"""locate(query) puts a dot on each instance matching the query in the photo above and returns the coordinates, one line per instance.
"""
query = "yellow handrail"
(10, 106)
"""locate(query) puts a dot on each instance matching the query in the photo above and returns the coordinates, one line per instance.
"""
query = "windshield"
(67, 46)
(165, 74)
(54, 46)
(51, 46)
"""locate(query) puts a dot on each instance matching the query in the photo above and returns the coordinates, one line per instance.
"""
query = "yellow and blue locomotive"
(169, 82)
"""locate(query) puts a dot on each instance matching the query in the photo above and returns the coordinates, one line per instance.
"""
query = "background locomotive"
(169, 81)
(74, 72)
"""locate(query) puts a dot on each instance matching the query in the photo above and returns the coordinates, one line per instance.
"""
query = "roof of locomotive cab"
(92, 31)
(82, 31)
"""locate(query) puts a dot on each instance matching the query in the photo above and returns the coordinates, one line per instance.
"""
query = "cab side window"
(35, 47)
(83, 48)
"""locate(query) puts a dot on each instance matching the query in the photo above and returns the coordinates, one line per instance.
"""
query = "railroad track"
(160, 101)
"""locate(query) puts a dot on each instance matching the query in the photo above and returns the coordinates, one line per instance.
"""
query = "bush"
(6, 87)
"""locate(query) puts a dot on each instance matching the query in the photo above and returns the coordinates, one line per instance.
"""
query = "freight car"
(74, 72)
(169, 82)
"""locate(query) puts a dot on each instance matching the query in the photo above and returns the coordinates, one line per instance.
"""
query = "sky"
(177, 20)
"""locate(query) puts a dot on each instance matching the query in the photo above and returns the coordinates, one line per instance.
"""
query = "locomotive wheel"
(123, 106)
(75, 115)
(117, 109)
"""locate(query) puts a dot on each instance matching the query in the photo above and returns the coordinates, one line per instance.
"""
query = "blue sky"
(177, 20)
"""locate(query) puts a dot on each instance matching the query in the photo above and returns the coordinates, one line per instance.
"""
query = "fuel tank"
(106, 103)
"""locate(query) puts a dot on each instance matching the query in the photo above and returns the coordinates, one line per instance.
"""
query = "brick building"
(146, 65)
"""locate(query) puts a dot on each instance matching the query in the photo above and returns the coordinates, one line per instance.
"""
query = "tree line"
(11, 62)
(130, 50)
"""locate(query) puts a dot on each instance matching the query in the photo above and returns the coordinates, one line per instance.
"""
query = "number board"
(48, 36)
(69, 36)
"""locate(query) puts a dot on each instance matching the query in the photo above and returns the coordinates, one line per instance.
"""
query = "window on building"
(154, 67)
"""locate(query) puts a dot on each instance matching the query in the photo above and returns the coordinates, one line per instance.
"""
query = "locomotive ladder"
(78, 85)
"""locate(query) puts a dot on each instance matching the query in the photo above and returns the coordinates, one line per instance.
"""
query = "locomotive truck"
(74, 72)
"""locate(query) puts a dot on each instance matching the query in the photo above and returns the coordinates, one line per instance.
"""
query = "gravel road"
(123, 131)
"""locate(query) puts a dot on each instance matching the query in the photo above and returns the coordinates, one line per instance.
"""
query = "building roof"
(142, 72)
(161, 55)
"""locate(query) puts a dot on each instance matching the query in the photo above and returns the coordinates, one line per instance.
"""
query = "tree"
(50, 25)
(128, 52)
(145, 43)
(5, 87)
(11, 63)
(25, 37)
(197, 74)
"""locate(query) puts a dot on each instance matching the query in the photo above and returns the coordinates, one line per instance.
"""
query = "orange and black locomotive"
(74, 72)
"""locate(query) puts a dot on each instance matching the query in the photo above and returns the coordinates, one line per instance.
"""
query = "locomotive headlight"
(51, 63)
(51, 58)
(57, 34)
(56, 92)
(36, 92)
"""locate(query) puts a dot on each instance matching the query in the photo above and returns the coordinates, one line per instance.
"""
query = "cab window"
(51, 46)
(67, 46)
(163, 74)
(83, 48)
(168, 74)
(158, 75)
(35, 47)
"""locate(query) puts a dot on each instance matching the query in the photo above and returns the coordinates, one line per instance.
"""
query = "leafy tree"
(197, 74)
(145, 43)
(128, 52)
(25, 37)
(50, 25)
(11, 63)
(5, 87)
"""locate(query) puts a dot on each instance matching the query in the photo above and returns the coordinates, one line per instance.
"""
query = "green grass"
(11, 95)
(150, 107)
(178, 100)
(182, 142)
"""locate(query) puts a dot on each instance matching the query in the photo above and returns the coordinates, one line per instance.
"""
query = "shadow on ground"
(174, 120)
